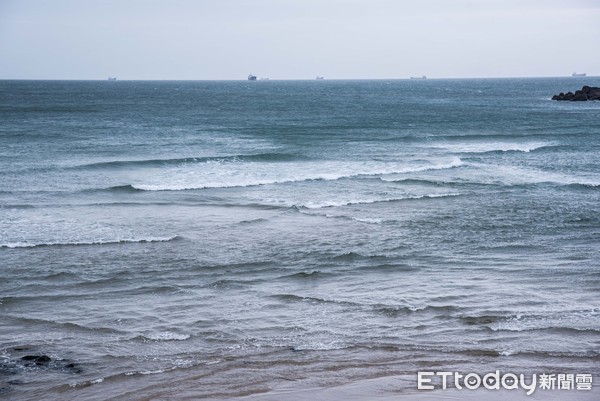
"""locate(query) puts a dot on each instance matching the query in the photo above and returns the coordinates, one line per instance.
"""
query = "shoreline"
(391, 388)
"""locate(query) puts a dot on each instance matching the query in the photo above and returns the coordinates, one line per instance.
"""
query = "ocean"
(214, 239)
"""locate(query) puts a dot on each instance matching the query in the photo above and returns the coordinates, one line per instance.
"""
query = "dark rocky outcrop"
(585, 93)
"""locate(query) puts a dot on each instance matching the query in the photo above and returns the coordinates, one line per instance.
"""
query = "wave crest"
(292, 173)
(328, 204)
(494, 147)
(262, 157)
(13, 245)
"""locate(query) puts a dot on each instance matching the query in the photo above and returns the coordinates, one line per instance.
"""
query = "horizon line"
(266, 79)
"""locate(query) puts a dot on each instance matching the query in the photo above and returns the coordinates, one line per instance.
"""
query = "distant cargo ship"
(583, 74)
(251, 77)
(112, 78)
(320, 77)
(421, 77)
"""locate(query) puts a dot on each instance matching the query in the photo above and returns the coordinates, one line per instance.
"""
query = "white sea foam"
(586, 320)
(368, 220)
(150, 372)
(167, 336)
(349, 202)
(484, 147)
(513, 175)
(253, 174)
(95, 242)
(86, 383)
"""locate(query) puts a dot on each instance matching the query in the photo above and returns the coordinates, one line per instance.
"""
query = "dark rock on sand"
(35, 360)
(584, 94)
(38, 359)
(73, 367)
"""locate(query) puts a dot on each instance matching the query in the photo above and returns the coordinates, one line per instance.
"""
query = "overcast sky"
(297, 39)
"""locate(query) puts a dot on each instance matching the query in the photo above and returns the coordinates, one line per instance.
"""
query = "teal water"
(221, 238)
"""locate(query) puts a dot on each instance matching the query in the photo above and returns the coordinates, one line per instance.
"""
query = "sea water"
(215, 239)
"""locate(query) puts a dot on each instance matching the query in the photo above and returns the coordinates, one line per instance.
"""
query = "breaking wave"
(83, 243)
(263, 157)
(292, 174)
(491, 147)
(328, 204)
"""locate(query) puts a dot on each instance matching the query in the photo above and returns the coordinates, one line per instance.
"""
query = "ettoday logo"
(509, 381)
